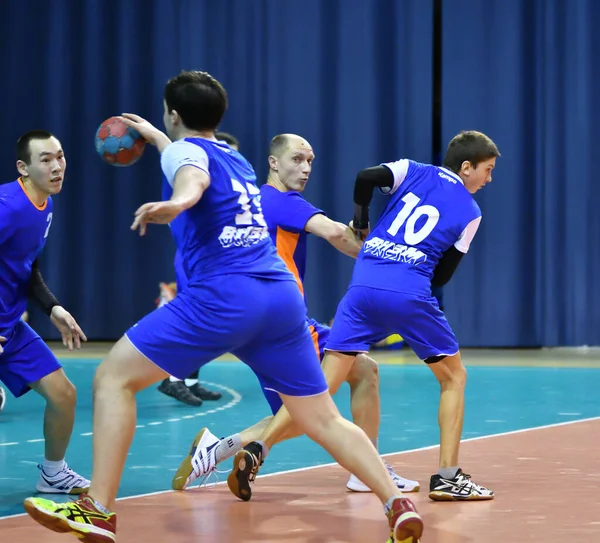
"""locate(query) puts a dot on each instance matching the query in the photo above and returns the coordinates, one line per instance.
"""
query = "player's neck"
(37, 196)
(275, 182)
(207, 135)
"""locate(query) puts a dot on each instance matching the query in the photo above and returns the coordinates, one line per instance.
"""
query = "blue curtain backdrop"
(353, 77)
(527, 73)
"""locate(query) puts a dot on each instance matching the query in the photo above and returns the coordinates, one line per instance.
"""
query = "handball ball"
(119, 144)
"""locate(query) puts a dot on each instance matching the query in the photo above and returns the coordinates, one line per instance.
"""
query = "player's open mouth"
(56, 179)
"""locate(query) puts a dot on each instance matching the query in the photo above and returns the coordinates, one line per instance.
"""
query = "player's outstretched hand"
(2, 340)
(69, 330)
(147, 130)
(156, 213)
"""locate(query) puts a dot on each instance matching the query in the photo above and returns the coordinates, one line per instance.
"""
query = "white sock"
(51, 467)
(190, 382)
(174, 379)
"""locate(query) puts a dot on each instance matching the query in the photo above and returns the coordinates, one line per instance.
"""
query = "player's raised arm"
(185, 166)
(339, 235)
(147, 130)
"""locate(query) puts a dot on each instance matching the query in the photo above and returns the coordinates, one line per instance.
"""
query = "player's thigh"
(26, 360)
(356, 325)
(126, 367)
(313, 413)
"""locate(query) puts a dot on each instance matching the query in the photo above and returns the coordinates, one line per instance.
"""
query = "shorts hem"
(297, 395)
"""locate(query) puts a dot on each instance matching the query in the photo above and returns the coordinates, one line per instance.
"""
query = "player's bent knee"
(311, 414)
(57, 390)
(450, 372)
(126, 368)
(364, 370)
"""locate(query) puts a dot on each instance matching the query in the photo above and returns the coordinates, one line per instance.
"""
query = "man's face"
(46, 167)
(294, 164)
(476, 178)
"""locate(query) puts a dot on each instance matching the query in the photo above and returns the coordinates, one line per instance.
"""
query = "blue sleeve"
(182, 153)
(291, 212)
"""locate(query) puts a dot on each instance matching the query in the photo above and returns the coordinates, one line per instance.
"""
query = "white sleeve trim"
(464, 240)
(400, 170)
(182, 153)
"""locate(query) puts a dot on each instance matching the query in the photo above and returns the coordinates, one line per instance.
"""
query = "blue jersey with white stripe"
(429, 210)
(225, 232)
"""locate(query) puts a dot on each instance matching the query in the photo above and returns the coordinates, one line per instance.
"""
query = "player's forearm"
(39, 291)
(366, 181)
(345, 241)
(161, 141)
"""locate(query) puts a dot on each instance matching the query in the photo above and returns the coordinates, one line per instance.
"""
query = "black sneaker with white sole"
(459, 488)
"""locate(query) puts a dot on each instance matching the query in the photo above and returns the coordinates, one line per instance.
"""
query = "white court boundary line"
(298, 470)
(236, 398)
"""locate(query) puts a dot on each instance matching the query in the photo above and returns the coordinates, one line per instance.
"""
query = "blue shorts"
(368, 315)
(261, 321)
(319, 334)
(25, 359)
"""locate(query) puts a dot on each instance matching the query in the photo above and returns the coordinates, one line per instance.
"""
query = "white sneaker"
(66, 481)
(404, 485)
(2, 398)
(201, 460)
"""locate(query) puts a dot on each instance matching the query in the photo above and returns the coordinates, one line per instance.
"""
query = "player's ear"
(273, 162)
(175, 118)
(22, 168)
(466, 167)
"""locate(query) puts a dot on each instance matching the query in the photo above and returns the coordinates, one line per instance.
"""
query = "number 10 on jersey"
(410, 214)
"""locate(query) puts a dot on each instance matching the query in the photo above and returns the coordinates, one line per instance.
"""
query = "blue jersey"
(24, 228)
(225, 232)
(428, 212)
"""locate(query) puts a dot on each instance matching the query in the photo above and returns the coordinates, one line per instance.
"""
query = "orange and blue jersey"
(286, 214)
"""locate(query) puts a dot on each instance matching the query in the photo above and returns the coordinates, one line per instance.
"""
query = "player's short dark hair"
(227, 138)
(23, 143)
(470, 146)
(198, 97)
(278, 144)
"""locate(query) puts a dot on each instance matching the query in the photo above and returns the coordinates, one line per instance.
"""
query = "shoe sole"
(438, 496)
(180, 479)
(60, 524)
(72, 492)
(238, 480)
(409, 528)
(367, 489)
